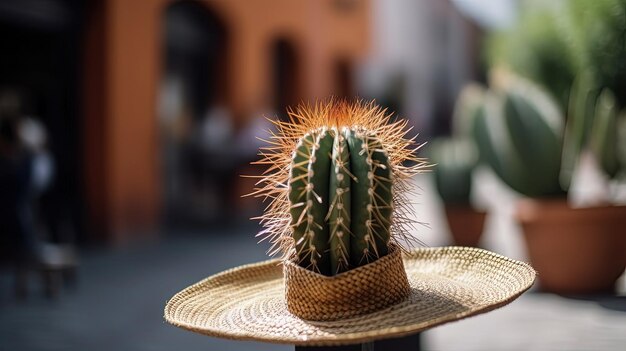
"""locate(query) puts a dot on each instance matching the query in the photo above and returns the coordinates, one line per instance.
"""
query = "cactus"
(456, 157)
(339, 180)
(621, 142)
(607, 139)
(593, 122)
(331, 170)
(580, 113)
(455, 160)
(575, 50)
(603, 137)
(523, 138)
(520, 135)
(468, 107)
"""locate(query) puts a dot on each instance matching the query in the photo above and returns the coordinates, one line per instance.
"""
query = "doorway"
(194, 114)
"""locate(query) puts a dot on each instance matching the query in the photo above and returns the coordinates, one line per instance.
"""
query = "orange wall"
(122, 169)
(322, 35)
(123, 65)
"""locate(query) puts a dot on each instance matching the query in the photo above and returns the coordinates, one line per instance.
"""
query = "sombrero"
(339, 223)
(446, 284)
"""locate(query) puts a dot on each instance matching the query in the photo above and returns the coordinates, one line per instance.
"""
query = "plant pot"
(465, 223)
(575, 251)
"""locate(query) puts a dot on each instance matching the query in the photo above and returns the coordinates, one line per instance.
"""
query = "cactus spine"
(333, 168)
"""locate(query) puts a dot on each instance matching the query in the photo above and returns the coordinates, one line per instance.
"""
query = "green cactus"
(468, 106)
(594, 123)
(603, 137)
(607, 139)
(341, 199)
(457, 156)
(309, 183)
(580, 113)
(339, 182)
(455, 160)
(523, 138)
(520, 135)
(621, 142)
(574, 49)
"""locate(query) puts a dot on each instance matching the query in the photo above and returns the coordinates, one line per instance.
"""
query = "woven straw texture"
(359, 291)
(447, 284)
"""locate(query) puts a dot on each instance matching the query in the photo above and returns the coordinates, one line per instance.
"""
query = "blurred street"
(118, 301)
(120, 294)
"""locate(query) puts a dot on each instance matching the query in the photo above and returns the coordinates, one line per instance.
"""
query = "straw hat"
(445, 284)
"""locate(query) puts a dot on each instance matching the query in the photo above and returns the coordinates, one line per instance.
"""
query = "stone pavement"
(119, 299)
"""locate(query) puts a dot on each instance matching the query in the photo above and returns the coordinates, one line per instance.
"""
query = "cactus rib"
(310, 201)
(340, 208)
(371, 231)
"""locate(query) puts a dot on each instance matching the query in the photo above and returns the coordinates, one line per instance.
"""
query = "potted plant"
(574, 51)
(521, 135)
(339, 181)
(455, 159)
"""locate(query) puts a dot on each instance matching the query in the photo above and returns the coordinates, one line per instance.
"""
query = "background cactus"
(455, 161)
(574, 50)
(457, 156)
(604, 133)
(338, 178)
(523, 137)
(520, 135)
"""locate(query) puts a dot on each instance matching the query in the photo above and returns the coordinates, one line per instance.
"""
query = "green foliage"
(536, 49)
(555, 41)
(341, 199)
(596, 34)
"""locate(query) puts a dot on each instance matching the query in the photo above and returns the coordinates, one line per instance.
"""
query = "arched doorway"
(286, 76)
(194, 112)
(195, 54)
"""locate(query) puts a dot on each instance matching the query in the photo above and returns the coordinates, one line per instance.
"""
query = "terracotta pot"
(575, 251)
(466, 224)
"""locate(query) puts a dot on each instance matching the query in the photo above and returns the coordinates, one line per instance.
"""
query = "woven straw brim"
(447, 284)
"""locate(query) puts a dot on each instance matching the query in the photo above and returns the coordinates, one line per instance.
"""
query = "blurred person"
(34, 137)
(17, 233)
(258, 128)
(208, 163)
(215, 130)
(26, 171)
